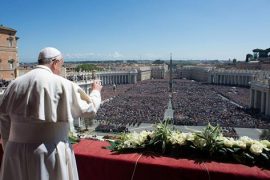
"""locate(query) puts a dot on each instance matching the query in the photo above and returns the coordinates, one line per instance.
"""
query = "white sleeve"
(87, 104)
(4, 128)
(4, 119)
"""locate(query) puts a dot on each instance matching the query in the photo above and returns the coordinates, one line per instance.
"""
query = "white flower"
(132, 140)
(228, 142)
(267, 144)
(247, 140)
(177, 138)
(256, 148)
(199, 142)
(240, 144)
(145, 134)
(221, 138)
(190, 136)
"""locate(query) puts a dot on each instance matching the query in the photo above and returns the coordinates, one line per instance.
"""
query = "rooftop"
(7, 28)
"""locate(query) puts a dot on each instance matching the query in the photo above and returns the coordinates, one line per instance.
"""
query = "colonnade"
(230, 77)
(117, 78)
(107, 78)
(260, 97)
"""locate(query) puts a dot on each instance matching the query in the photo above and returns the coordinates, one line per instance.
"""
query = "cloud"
(115, 55)
(95, 56)
(79, 55)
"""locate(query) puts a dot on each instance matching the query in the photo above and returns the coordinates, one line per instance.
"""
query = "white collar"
(44, 67)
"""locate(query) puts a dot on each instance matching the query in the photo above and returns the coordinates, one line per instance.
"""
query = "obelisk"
(171, 73)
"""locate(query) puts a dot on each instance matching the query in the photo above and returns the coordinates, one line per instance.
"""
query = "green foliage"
(207, 144)
(73, 139)
(161, 134)
(158, 62)
(210, 138)
(86, 67)
(265, 134)
(249, 57)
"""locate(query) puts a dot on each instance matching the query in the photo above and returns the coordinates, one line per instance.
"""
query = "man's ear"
(54, 65)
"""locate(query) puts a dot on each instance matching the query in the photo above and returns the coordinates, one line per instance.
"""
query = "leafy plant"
(208, 140)
(161, 135)
(163, 139)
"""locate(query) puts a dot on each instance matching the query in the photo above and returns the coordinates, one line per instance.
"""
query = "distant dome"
(134, 71)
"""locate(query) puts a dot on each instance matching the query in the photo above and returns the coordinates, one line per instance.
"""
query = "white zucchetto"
(49, 53)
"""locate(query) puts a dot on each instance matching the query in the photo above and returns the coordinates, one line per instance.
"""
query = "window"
(10, 41)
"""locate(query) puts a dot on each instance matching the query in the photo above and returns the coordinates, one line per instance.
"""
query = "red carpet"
(95, 162)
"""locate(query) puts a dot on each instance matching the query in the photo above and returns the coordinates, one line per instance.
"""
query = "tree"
(86, 67)
(248, 57)
(234, 61)
(158, 62)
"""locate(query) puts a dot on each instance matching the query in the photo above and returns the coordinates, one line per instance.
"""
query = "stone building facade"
(232, 77)
(144, 73)
(159, 71)
(260, 95)
(196, 73)
(9, 60)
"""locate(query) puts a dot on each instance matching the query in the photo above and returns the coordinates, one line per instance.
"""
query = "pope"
(35, 116)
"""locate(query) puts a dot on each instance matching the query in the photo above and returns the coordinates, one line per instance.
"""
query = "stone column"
(251, 95)
(267, 103)
(262, 102)
(135, 78)
(258, 99)
(220, 80)
(240, 80)
(255, 98)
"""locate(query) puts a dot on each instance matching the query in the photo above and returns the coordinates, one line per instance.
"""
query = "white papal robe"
(35, 114)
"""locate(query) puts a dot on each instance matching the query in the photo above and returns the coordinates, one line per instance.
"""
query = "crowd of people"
(111, 128)
(110, 91)
(197, 104)
(229, 132)
(239, 95)
(145, 101)
(193, 103)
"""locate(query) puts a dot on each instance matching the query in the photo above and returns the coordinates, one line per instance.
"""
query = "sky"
(139, 29)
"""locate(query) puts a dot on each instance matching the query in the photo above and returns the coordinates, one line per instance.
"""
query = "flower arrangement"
(73, 137)
(206, 144)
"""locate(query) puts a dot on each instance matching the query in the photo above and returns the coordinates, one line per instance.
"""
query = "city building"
(197, 73)
(9, 60)
(159, 71)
